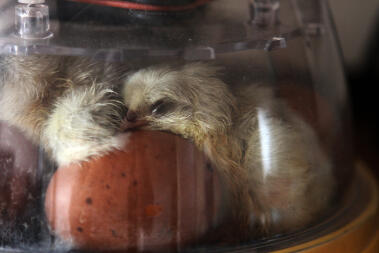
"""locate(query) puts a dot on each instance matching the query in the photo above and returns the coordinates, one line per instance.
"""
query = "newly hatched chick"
(277, 175)
(69, 105)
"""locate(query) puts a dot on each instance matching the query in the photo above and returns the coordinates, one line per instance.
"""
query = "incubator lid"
(212, 28)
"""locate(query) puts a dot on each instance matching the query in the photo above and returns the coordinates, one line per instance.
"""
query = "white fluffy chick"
(69, 105)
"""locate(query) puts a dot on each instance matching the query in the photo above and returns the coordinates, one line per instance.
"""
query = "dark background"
(363, 82)
(357, 24)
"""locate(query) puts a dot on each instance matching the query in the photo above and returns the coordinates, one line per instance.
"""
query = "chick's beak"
(131, 116)
(131, 121)
(127, 125)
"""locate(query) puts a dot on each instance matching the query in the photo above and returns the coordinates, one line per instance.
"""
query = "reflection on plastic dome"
(191, 126)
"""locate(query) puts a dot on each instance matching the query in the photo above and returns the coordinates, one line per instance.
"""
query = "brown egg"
(157, 193)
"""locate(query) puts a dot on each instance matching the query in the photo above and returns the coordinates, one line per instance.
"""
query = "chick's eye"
(161, 107)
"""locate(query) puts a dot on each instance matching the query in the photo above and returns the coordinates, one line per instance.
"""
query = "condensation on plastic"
(288, 46)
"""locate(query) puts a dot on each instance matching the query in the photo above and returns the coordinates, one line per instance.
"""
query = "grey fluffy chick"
(69, 105)
(278, 177)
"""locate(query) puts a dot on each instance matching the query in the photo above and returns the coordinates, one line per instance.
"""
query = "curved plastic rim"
(360, 235)
(145, 7)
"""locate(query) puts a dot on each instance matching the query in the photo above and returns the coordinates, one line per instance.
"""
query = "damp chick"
(278, 177)
(69, 105)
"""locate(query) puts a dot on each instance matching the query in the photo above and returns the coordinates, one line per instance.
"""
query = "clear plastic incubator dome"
(171, 126)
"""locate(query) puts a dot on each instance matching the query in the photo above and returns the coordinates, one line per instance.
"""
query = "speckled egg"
(157, 193)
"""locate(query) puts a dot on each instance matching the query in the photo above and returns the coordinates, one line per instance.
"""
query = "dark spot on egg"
(209, 166)
(79, 229)
(89, 201)
(114, 233)
(135, 183)
(107, 186)
(123, 174)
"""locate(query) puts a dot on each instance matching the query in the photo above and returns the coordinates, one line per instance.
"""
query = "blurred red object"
(18, 170)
